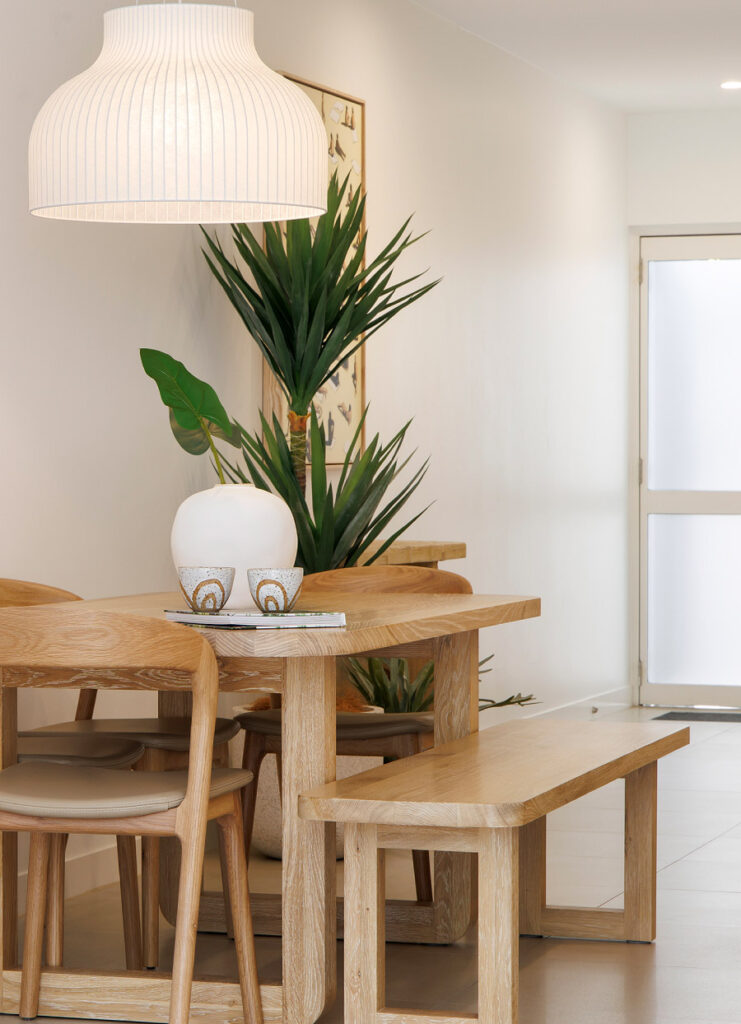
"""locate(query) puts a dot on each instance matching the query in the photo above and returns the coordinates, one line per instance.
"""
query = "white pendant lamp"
(178, 121)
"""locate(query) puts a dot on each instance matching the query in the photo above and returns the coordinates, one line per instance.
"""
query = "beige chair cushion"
(52, 791)
(159, 733)
(83, 751)
(350, 725)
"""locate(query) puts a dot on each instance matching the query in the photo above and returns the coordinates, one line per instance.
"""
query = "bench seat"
(489, 794)
(508, 775)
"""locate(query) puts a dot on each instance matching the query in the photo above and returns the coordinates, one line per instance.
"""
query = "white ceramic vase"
(234, 525)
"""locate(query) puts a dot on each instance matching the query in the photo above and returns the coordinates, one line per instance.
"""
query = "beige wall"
(514, 369)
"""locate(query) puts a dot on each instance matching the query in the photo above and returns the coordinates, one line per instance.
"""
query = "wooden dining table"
(300, 664)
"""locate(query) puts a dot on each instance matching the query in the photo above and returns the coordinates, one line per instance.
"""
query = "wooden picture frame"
(340, 403)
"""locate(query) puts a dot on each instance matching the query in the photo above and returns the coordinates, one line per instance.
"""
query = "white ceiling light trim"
(178, 121)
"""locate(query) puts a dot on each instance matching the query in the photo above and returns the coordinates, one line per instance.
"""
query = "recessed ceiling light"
(730, 85)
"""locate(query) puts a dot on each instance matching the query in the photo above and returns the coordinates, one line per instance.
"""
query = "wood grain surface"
(504, 776)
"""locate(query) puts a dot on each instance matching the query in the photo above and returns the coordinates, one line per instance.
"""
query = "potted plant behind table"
(309, 303)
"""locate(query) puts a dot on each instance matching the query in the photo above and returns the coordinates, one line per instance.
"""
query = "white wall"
(515, 369)
(684, 169)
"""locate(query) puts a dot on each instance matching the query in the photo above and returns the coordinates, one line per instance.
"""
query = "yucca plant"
(313, 301)
(385, 683)
(339, 523)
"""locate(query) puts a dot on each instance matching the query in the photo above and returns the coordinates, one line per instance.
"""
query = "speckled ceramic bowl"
(206, 588)
(275, 590)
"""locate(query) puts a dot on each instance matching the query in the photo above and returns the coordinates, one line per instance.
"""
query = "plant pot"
(266, 834)
(234, 525)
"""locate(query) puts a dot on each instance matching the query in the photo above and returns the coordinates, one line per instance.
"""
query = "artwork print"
(340, 402)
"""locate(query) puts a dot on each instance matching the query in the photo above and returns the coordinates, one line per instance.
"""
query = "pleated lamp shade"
(178, 121)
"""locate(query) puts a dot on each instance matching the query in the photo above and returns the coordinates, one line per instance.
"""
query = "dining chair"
(162, 744)
(390, 736)
(81, 752)
(36, 644)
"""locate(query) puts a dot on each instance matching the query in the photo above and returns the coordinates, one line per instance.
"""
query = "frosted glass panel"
(694, 605)
(694, 375)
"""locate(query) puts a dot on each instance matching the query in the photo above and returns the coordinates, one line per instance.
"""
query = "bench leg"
(365, 969)
(498, 927)
(532, 876)
(640, 854)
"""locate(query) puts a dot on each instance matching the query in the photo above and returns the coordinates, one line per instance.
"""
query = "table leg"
(309, 912)
(456, 715)
(8, 840)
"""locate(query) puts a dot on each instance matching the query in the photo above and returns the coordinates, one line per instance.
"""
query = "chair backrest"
(75, 646)
(388, 579)
(22, 594)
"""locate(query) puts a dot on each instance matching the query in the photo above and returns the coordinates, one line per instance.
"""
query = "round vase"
(234, 525)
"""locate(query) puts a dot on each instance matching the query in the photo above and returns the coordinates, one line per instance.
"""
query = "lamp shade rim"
(178, 212)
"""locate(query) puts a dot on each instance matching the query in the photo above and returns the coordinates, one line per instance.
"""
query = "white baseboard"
(596, 705)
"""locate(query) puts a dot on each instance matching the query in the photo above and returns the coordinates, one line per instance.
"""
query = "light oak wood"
(389, 1016)
(54, 938)
(418, 552)
(498, 777)
(126, 849)
(308, 743)
(549, 764)
(640, 854)
(582, 923)
(404, 623)
(150, 899)
(456, 715)
(371, 624)
(23, 594)
(386, 579)
(38, 864)
(115, 995)
(498, 938)
(365, 984)
(230, 831)
(532, 875)
(69, 637)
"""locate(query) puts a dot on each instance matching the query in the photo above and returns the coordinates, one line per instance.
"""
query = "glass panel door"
(690, 493)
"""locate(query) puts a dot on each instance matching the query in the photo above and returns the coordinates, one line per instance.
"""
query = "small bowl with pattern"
(275, 590)
(206, 588)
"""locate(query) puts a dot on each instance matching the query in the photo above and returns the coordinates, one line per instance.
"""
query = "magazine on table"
(256, 620)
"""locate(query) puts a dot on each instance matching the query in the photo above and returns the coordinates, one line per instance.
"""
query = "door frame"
(646, 694)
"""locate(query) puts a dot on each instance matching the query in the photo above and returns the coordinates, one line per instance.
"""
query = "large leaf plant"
(340, 522)
(309, 300)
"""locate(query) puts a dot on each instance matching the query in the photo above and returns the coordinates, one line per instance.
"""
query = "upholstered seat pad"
(350, 725)
(54, 791)
(159, 733)
(83, 751)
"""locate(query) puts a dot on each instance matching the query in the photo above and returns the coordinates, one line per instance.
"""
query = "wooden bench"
(488, 794)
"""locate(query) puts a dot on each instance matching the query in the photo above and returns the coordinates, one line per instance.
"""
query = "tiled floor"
(691, 975)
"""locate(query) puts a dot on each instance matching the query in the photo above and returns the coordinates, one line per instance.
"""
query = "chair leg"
(254, 752)
(407, 746)
(130, 902)
(151, 900)
(192, 849)
(38, 864)
(55, 901)
(231, 829)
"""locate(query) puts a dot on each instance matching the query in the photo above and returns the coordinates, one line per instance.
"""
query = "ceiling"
(634, 54)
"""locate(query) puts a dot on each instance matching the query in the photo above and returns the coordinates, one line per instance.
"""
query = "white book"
(255, 620)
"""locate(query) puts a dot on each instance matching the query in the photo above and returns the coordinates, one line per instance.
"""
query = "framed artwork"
(340, 402)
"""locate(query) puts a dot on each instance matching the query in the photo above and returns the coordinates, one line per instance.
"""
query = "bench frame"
(511, 886)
